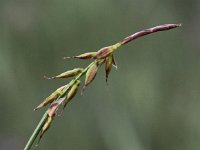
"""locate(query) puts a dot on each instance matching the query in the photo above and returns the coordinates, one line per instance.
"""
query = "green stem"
(36, 131)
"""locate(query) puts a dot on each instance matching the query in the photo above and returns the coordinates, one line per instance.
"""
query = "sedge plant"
(63, 95)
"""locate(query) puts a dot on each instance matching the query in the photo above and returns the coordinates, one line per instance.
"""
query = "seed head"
(65, 94)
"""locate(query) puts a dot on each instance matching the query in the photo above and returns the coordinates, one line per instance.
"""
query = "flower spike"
(64, 94)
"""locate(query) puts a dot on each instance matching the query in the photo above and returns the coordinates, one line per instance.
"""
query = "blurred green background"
(153, 99)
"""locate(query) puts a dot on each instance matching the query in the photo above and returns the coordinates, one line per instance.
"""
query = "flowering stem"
(100, 61)
(36, 131)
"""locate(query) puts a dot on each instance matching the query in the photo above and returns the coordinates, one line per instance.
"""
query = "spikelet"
(72, 92)
(108, 66)
(45, 127)
(51, 98)
(67, 74)
(88, 55)
(90, 74)
(104, 52)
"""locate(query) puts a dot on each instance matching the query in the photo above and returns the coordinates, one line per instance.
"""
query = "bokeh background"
(153, 99)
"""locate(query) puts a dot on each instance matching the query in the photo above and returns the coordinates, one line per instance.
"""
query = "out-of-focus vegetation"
(153, 99)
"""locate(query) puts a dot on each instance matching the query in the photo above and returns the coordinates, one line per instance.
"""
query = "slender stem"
(36, 131)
